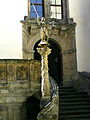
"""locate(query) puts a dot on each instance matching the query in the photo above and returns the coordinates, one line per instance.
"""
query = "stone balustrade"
(19, 73)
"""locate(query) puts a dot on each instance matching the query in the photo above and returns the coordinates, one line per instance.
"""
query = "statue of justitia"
(44, 31)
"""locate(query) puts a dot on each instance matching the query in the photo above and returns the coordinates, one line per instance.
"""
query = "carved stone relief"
(11, 72)
(2, 72)
(22, 72)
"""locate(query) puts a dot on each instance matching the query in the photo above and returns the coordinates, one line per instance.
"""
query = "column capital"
(44, 51)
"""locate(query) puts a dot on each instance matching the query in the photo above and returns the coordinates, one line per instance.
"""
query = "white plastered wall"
(11, 12)
(80, 11)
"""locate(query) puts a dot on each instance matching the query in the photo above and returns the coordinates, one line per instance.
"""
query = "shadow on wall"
(32, 108)
(84, 82)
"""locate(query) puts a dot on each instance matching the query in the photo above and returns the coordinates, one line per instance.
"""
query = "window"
(56, 9)
(53, 8)
(37, 8)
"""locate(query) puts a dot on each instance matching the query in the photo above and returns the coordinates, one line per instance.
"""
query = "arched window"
(37, 8)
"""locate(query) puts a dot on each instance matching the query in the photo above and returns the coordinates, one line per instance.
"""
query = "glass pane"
(53, 15)
(36, 8)
(32, 9)
(59, 16)
(33, 1)
(58, 2)
(52, 1)
(36, 1)
(39, 1)
(40, 14)
(52, 9)
(58, 9)
(39, 8)
(55, 11)
(33, 15)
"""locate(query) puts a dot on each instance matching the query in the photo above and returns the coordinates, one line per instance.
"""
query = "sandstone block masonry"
(60, 32)
(19, 79)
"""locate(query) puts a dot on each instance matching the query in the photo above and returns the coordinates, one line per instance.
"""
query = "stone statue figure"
(44, 31)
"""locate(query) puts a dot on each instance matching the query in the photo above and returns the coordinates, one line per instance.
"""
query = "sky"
(11, 12)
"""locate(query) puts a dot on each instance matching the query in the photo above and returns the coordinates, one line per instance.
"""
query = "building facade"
(61, 30)
(20, 79)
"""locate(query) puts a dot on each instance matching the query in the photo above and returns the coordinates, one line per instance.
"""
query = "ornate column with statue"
(49, 88)
(44, 51)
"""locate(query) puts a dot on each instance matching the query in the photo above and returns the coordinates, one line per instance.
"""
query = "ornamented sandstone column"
(44, 51)
(49, 89)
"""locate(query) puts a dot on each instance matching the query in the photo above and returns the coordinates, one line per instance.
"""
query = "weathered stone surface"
(14, 71)
(3, 72)
(16, 78)
(63, 34)
(22, 72)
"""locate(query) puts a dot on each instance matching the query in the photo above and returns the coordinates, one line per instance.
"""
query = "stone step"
(75, 117)
(72, 93)
(67, 90)
(68, 108)
(74, 103)
(74, 96)
(73, 112)
(74, 100)
(63, 87)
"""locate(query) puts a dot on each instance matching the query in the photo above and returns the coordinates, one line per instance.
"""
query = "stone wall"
(19, 79)
(63, 34)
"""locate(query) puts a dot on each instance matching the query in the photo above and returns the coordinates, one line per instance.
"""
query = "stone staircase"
(74, 105)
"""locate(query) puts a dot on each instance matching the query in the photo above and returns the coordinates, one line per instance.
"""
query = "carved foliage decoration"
(2, 72)
(22, 72)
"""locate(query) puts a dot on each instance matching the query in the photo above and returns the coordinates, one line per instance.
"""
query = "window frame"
(45, 12)
(58, 5)
(38, 4)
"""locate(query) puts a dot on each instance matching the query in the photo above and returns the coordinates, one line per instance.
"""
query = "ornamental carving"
(22, 72)
(11, 72)
(2, 72)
